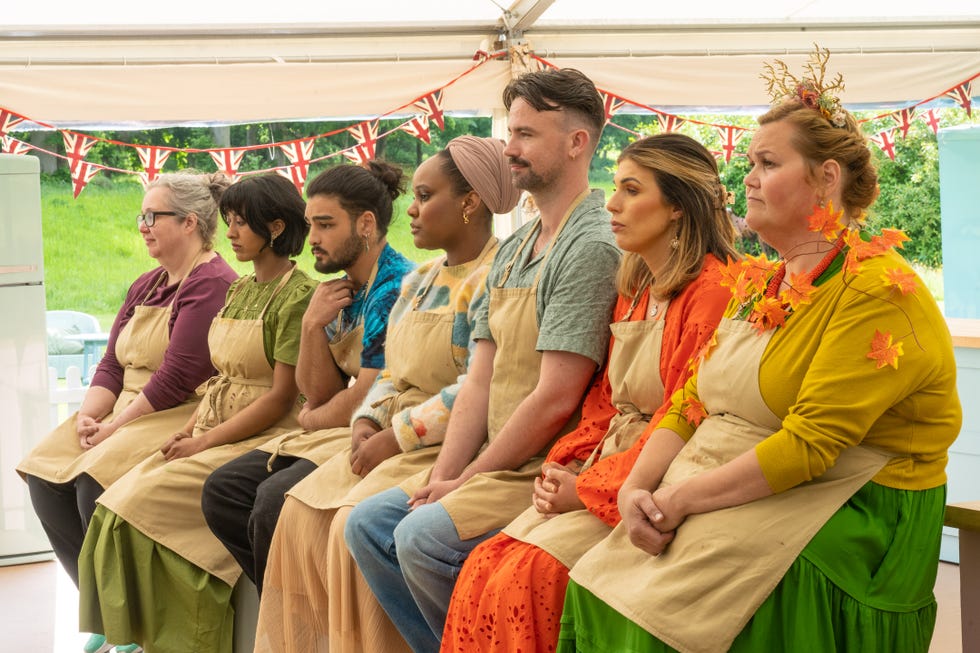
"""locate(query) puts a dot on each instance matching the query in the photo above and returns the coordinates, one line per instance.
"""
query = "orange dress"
(509, 594)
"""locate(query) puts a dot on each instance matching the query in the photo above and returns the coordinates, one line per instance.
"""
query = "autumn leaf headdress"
(810, 88)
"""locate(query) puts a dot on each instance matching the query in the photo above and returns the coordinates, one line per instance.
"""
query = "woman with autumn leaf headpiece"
(793, 497)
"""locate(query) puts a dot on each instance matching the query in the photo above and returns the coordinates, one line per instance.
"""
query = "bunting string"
(423, 112)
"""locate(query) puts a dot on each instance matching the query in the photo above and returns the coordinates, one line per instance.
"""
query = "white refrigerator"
(23, 353)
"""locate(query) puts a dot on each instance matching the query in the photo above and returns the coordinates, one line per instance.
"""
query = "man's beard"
(346, 256)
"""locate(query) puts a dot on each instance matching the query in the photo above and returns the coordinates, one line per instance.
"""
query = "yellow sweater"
(815, 374)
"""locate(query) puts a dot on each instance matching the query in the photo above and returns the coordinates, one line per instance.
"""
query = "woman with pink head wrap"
(313, 595)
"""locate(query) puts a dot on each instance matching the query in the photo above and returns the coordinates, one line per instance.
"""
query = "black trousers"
(65, 510)
(242, 500)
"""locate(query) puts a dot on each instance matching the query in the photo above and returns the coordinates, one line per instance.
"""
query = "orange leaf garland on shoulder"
(884, 351)
(769, 314)
(900, 279)
(827, 221)
(693, 411)
(800, 291)
(894, 238)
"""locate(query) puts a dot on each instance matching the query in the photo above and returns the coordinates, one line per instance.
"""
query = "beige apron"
(699, 594)
(162, 499)
(490, 500)
(319, 446)
(420, 361)
(140, 348)
(637, 393)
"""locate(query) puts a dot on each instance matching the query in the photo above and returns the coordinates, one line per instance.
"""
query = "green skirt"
(132, 589)
(863, 584)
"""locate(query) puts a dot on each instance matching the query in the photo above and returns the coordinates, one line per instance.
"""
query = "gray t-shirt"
(577, 289)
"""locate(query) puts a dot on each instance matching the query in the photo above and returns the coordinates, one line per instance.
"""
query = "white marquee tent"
(115, 61)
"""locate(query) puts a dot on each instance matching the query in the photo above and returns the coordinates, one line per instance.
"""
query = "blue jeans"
(410, 559)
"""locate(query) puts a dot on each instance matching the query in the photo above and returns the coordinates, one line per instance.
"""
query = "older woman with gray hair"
(157, 354)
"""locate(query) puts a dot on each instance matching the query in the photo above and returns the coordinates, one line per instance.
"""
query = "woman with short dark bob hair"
(149, 570)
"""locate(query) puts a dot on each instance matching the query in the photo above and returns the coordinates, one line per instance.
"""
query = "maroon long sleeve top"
(187, 361)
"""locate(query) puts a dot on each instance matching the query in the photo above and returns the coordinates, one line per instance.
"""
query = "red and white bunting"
(431, 106)
(730, 136)
(885, 141)
(82, 173)
(8, 120)
(76, 147)
(963, 96)
(228, 161)
(366, 135)
(931, 118)
(904, 119)
(13, 146)
(153, 159)
(299, 153)
(418, 127)
(668, 122)
(611, 104)
(295, 174)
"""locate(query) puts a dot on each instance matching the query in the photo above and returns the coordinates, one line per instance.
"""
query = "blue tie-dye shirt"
(372, 308)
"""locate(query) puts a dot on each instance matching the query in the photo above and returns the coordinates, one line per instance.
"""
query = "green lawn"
(93, 250)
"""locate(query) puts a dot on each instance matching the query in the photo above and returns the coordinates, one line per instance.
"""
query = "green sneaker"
(97, 644)
(129, 648)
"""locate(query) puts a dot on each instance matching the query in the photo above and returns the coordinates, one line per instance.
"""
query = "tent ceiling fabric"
(176, 74)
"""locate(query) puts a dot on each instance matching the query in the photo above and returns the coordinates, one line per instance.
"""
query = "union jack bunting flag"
(299, 153)
(904, 119)
(431, 105)
(669, 123)
(295, 174)
(13, 146)
(417, 127)
(730, 136)
(366, 135)
(8, 119)
(931, 118)
(81, 174)
(611, 104)
(228, 161)
(153, 159)
(76, 147)
(963, 95)
(886, 142)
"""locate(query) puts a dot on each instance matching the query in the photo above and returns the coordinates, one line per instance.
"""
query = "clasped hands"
(554, 491)
(651, 520)
(91, 431)
(182, 445)
(370, 446)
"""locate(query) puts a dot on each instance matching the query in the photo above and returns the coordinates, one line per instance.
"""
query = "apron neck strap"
(164, 274)
(551, 244)
(279, 286)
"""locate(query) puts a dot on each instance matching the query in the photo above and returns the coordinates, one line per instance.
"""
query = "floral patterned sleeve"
(424, 425)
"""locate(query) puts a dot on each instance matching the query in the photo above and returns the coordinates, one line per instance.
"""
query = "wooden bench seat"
(966, 518)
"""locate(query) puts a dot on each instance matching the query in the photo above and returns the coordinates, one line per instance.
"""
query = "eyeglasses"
(150, 217)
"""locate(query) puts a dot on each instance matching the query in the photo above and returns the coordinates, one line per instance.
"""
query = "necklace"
(654, 309)
(777, 279)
